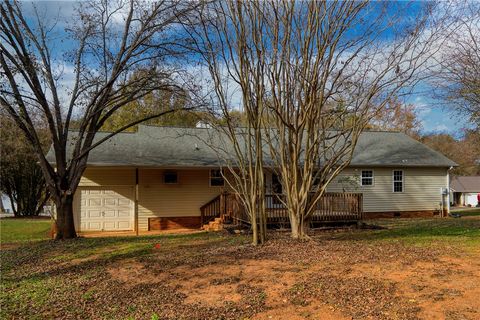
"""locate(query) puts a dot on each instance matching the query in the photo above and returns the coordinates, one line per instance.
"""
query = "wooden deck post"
(222, 204)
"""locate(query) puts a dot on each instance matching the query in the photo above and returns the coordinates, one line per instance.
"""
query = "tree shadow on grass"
(54, 258)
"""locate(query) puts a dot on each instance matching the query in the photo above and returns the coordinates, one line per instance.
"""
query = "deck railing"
(330, 207)
(211, 210)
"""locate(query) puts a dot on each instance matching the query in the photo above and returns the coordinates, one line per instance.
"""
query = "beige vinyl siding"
(421, 188)
(108, 176)
(157, 199)
(185, 198)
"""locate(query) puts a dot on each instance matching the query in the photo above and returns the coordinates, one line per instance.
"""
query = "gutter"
(136, 203)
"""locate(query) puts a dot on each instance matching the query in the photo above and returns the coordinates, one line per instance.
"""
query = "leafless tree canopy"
(458, 79)
(112, 39)
(224, 47)
(311, 76)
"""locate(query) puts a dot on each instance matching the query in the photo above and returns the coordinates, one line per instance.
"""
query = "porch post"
(222, 204)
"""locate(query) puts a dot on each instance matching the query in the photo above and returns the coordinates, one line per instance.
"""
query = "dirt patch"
(326, 279)
(359, 297)
(224, 278)
(293, 312)
(221, 282)
(132, 273)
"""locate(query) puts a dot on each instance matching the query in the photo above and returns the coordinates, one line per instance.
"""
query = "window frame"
(402, 181)
(315, 180)
(275, 195)
(165, 173)
(372, 177)
(210, 177)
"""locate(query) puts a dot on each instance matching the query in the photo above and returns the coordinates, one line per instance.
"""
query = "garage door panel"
(93, 214)
(111, 202)
(108, 209)
(109, 226)
(123, 202)
(94, 225)
(92, 202)
(110, 213)
(124, 225)
(123, 213)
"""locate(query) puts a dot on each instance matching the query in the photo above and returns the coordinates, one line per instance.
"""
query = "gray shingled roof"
(191, 147)
(465, 184)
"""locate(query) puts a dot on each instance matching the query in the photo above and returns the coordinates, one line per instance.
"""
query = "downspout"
(448, 189)
(136, 202)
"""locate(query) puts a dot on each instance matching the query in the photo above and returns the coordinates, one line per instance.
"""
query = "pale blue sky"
(434, 117)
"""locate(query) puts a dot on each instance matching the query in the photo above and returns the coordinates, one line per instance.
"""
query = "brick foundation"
(400, 214)
(169, 223)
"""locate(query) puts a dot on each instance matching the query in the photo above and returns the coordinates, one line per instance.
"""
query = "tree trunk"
(294, 226)
(64, 220)
(254, 230)
(298, 226)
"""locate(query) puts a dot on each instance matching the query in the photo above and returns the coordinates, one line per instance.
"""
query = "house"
(465, 191)
(161, 177)
(5, 204)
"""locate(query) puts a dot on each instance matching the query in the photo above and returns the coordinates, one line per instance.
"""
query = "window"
(170, 177)
(316, 179)
(216, 178)
(397, 181)
(277, 189)
(276, 185)
(366, 178)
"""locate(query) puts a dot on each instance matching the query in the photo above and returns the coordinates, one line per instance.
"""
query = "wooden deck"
(332, 207)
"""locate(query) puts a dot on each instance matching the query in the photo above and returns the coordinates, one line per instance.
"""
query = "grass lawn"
(462, 232)
(413, 269)
(467, 212)
(24, 229)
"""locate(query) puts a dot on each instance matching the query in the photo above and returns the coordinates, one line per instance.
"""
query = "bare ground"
(326, 278)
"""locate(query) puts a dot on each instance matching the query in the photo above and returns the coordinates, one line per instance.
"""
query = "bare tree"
(112, 39)
(334, 66)
(458, 78)
(311, 75)
(226, 44)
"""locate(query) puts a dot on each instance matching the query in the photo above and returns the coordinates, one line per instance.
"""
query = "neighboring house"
(6, 206)
(465, 190)
(160, 177)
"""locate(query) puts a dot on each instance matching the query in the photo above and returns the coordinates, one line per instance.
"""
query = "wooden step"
(215, 225)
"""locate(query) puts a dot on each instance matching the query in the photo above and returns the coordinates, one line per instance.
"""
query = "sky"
(432, 113)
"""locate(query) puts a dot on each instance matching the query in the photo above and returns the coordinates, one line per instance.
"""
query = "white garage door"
(471, 199)
(106, 209)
